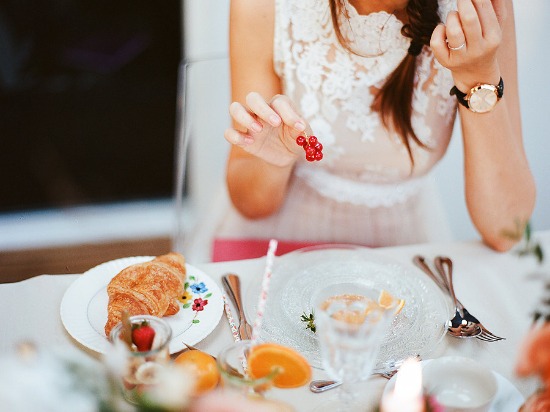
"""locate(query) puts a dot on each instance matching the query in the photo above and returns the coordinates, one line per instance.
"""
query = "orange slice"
(294, 369)
(388, 301)
(349, 314)
(203, 366)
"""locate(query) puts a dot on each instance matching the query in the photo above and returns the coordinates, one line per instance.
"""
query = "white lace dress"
(363, 191)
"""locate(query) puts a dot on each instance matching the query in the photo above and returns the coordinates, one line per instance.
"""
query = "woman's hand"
(475, 34)
(270, 129)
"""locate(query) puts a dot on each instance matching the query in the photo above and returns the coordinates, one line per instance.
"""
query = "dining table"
(502, 289)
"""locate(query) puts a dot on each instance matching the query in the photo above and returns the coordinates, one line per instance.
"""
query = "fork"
(318, 386)
(440, 263)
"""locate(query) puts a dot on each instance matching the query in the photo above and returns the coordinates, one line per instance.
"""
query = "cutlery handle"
(444, 266)
(420, 261)
(232, 286)
(321, 386)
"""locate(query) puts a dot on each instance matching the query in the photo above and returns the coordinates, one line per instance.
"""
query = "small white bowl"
(459, 384)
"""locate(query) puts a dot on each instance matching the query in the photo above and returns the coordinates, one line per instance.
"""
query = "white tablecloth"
(500, 289)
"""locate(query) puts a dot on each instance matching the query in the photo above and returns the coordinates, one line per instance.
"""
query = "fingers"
(259, 112)
(244, 118)
(283, 106)
(237, 138)
(454, 33)
(264, 111)
(470, 23)
(489, 22)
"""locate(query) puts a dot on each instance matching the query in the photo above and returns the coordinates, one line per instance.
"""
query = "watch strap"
(461, 97)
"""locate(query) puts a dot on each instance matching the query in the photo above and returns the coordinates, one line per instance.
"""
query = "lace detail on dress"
(334, 89)
(372, 195)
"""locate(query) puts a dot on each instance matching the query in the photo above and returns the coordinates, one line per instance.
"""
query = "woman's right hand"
(267, 130)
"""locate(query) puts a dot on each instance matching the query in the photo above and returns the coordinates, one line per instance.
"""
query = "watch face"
(483, 98)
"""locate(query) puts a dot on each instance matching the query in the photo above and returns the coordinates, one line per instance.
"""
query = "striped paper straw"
(263, 294)
(230, 319)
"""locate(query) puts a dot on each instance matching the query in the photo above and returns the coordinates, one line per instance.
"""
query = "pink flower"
(534, 358)
(199, 304)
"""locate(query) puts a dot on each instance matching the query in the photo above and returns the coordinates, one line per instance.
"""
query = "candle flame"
(408, 383)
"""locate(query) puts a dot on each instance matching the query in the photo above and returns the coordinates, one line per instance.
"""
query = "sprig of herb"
(309, 320)
(542, 314)
(529, 246)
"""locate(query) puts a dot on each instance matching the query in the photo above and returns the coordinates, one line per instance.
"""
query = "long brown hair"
(394, 100)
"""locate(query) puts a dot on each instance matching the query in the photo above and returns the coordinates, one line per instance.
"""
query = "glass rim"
(245, 380)
(149, 318)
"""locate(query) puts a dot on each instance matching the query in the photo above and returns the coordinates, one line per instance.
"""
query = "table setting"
(368, 329)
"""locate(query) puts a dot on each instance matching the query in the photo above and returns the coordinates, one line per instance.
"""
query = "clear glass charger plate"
(298, 276)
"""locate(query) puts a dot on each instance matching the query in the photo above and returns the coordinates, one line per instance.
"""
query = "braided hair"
(394, 100)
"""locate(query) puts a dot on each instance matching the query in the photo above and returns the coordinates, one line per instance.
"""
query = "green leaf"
(196, 321)
(528, 231)
(207, 295)
(186, 285)
(192, 278)
(186, 305)
(539, 253)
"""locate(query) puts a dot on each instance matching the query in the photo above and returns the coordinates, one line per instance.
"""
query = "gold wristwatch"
(481, 98)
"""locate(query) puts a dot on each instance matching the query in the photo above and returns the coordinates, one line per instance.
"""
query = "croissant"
(149, 288)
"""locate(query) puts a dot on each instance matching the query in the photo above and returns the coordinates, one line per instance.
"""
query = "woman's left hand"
(467, 43)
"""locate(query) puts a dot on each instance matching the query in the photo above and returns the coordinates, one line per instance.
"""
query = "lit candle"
(406, 395)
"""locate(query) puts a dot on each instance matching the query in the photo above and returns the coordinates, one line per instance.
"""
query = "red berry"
(310, 151)
(310, 158)
(318, 147)
(143, 336)
(301, 140)
(318, 155)
(312, 140)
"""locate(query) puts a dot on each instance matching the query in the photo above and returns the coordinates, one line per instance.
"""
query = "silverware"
(232, 285)
(444, 266)
(318, 386)
(457, 326)
(463, 324)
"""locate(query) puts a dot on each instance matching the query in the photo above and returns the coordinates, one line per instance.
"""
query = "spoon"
(458, 326)
(232, 286)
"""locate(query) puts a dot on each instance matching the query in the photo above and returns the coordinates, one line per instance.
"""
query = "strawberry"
(142, 336)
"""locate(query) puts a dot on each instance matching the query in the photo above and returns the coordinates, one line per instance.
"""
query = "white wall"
(206, 35)
(533, 38)
(206, 48)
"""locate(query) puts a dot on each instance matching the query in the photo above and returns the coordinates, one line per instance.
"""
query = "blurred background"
(91, 120)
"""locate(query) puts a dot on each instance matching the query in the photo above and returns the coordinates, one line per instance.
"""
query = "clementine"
(203, 366)
(293, 369)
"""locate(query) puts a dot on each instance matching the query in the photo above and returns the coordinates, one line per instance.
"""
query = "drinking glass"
(350, 328)
(141, 368)
(233, 369)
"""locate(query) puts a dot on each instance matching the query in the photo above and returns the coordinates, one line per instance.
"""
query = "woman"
(378, 82)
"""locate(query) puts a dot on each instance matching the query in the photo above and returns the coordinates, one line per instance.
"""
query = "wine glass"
(351, 327)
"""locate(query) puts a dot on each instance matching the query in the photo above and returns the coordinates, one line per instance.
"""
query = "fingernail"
(274, 120)
(300, 126)
(257, 127)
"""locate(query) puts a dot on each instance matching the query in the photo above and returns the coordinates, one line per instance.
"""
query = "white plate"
(298, 276)
(507, 399)
(84, 306)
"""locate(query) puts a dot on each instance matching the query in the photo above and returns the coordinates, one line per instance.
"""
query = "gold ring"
(455, 48)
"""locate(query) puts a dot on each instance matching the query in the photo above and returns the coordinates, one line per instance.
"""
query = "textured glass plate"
(298, 276)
